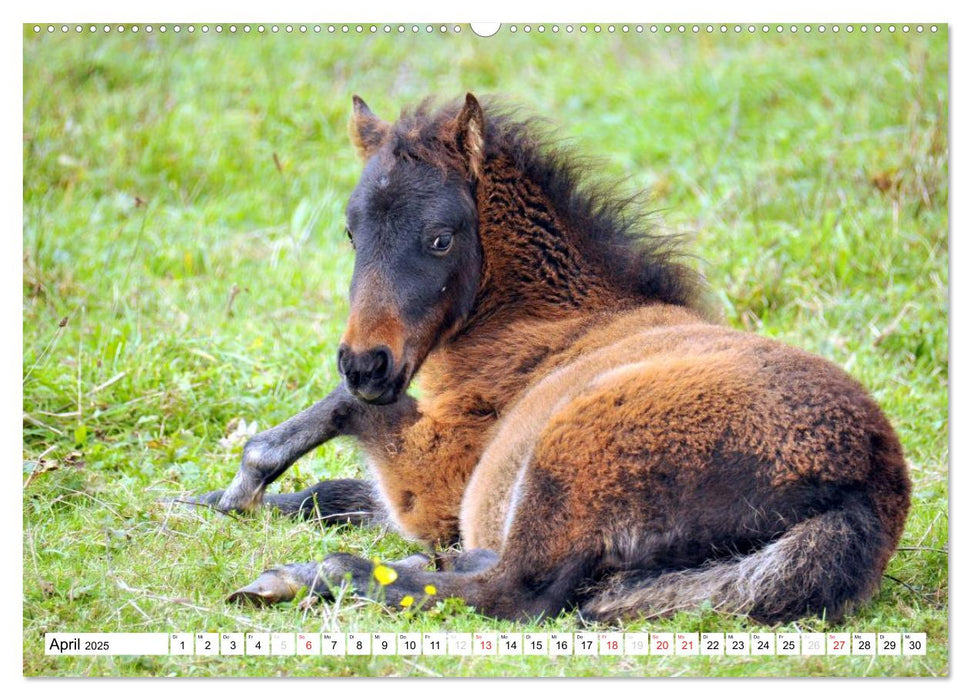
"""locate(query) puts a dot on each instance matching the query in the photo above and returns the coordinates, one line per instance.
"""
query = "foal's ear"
(470, 134)
(367, 130)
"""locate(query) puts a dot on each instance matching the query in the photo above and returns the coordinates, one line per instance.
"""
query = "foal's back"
(654, 412)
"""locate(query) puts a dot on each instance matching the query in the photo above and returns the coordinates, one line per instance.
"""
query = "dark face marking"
(416, 271)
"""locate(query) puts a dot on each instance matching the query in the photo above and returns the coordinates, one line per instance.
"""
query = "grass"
(185, 266)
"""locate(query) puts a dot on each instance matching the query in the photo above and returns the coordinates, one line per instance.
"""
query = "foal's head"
(412, 220)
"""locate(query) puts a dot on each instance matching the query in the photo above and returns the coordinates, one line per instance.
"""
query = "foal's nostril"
(382, 363)
(342, 363)
(366, 373)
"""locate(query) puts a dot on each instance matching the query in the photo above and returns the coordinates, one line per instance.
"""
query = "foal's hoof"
(245, 494)
(273, 586)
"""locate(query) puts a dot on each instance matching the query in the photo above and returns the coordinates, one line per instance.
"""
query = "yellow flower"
(385, 574)
(407, 601)
(430, 590)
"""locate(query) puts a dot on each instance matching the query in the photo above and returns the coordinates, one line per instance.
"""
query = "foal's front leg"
(269, 454)
(333, 500)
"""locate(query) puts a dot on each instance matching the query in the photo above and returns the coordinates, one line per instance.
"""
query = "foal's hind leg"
(468, 562)
(507, 589)
(283, 583)
(544, 567)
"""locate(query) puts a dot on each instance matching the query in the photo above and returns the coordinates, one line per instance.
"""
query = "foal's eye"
(442, 243)
(350, 236)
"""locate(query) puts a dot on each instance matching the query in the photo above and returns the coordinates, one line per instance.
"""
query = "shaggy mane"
(612, 230)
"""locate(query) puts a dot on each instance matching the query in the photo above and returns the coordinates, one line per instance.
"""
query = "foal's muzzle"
(369, 375)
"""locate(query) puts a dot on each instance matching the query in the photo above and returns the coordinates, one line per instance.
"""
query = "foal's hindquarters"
(668, 466)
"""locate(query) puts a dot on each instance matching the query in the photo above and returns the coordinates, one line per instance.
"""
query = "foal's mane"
(613, 231)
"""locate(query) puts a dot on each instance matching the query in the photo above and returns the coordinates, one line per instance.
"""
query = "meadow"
(185, 269)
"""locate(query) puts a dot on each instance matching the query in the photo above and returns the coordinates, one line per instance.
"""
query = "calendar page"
(539, 349)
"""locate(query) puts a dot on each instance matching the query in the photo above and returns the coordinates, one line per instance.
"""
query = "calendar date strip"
(487, 644)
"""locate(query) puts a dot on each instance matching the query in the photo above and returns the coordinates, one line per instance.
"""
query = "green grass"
(163, 171)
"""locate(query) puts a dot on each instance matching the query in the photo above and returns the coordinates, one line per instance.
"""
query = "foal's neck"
(539, 293)
(533, 265)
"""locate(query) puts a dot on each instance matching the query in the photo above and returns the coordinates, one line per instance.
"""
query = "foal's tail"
(821, 566)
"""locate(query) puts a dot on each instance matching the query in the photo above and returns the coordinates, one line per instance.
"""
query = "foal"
(585, 433)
